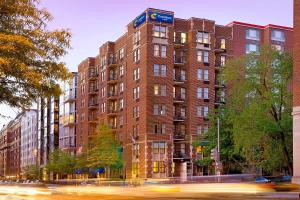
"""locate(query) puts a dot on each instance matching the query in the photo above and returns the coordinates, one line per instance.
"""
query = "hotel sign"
(139, 20)
(161, 17)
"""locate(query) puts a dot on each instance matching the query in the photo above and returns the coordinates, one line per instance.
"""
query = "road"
(161, 192)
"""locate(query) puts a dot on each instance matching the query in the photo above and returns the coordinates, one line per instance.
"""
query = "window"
(136, 130)
(183, 38)
(222, 95)
(156, 50)
(121, 120)
(159, 31)
(199, 74)
(121, 70)
(206, 75)
(199, 111)
(199, 56)
(199, 93)
(205, 111)
(223, 61)
(278, 35)
(182, 112)
(160, 50)
(159, 147)
(136, 112)
(121, 103)
(205, 93)
(252, 34)
(159, 109)
(156, 70)
(136, 93)
(160, 70)
(155, 167)
(135, 150)
(182, 75)
(163, 70)
(103, 92)
(182, 93)
(203, 37)
(135, 168)
(223, 44)
(205, 57)
(163, 51)
(205, 128)
(252, 48)
(156, 89)
(199, 130)
(136, 55)
(121, 53)
(122, 87)
(136, 74)
(137, 38)
(278, 47)
(159, 128)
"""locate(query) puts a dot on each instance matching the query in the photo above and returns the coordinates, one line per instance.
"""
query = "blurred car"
(262, 180)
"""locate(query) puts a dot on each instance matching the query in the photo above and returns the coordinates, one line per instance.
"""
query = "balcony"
(70, 98)
(92, 76)
(93, 91)
(179, 42)
(112, 112)
(93, 119)
(112, 79)
(180, 156)
(112, 62)
(178, 118)
(179, 61)
(179, 136)
(93, 105)
(179, 99)
(179, 80)
(112, 95)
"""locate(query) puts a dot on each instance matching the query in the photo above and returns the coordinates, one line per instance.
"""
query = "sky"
(93, 22)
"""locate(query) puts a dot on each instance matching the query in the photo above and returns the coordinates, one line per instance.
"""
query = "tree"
(30, 54)
(104, 150)
(32, 172)
(62, 163)
(259, 105)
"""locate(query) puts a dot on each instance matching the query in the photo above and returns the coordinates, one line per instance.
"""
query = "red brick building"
(249, 37)
(14, 149)
(154, 86)
(296, 92)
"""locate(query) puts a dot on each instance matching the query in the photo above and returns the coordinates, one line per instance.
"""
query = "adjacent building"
(4, 151)
(29, 139)
(48, 130)
(250, 37)
(67, 116)
(296, 93)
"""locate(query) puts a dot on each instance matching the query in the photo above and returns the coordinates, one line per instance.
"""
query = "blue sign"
(161, 17)
(139, 20)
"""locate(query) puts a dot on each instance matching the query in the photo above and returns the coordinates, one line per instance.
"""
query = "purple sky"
(94, 22)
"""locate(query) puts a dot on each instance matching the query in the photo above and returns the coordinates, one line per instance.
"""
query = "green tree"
(32, 172)
(259, 105)
(30, 53)
(61, 162)
(104, 150)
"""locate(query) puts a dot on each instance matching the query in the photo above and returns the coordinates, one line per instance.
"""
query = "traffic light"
(214, 154)
(199, 149)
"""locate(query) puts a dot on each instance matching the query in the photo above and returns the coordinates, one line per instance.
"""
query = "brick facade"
(296, 93)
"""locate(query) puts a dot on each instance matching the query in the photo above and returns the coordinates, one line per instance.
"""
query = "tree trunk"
(286, 153)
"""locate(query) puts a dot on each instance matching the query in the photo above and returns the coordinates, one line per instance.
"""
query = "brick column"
(296, 93)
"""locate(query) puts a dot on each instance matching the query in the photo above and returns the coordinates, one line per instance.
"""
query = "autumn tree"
(30, 53)
(259, 106)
